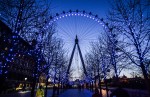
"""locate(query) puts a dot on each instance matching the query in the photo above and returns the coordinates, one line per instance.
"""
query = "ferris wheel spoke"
(66, 28)
(86, 27)
(89, 36)
(66, 33)
(83, 25)
(70, 29)
(88, 31)
(75, 25)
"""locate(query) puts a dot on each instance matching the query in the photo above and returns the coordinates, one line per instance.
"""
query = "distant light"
(23, 92)
(6, 49)
(25, 79)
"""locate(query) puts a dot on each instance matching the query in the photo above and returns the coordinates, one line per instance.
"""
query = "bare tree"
(132, 19)
(25, 17)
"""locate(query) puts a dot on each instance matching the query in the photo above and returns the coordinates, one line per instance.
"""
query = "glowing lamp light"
(6, 48)
(11, 50)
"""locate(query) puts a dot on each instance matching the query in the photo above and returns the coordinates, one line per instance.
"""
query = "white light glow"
(25, 79)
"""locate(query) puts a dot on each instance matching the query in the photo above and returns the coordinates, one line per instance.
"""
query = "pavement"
(66, 93)
(23, 94)
(78, 93)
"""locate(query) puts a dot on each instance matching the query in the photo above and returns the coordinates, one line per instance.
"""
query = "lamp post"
(25, 79)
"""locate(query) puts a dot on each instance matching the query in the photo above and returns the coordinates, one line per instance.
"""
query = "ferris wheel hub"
(76, 40)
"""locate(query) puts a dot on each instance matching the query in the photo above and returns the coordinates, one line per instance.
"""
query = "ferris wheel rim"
(69, 13)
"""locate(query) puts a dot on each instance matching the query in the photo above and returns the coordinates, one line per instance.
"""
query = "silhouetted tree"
(132, 19)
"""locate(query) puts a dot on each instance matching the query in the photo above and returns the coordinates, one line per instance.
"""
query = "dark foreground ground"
(78, 93)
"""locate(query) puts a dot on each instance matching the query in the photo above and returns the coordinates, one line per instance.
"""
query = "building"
(18, 60)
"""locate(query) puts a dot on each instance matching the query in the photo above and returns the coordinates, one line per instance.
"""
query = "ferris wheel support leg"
(82, 60)
(70, 61)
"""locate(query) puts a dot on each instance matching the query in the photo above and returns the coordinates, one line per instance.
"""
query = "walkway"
(76, 93)
(66, 93)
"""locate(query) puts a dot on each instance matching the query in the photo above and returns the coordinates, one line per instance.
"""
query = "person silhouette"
(96, 94)
(40, 92)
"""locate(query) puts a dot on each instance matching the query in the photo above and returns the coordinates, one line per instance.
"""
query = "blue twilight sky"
(99, 7)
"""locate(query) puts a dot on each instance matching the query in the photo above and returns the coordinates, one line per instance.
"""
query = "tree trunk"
(33, 86)
(46, 87)
(145, 77)
(100, 86)
(106, 88)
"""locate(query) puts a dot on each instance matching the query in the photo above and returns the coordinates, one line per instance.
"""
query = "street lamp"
(25, 79)
(24, 87)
